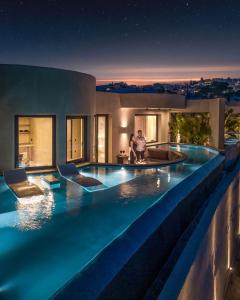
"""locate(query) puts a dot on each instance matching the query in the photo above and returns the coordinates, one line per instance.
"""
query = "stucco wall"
(122, 120)
(27, 90)
(123, 107)
(207, 260)
(217, 116)
(208, 276)
(145, 100)
(110, 104)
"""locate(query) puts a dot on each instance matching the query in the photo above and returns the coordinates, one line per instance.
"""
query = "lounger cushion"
(85, 181)
(17, 181)
(173, 155)
(155, 154)
(158, 154)
(25, 189)
(68, 170)
(15, 176)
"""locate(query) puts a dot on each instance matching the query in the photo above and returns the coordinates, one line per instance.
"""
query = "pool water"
(46, 243)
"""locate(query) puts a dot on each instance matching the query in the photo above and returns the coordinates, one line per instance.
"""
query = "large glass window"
(75, 138)
(101, 138)
(34, 141)
(149, 126)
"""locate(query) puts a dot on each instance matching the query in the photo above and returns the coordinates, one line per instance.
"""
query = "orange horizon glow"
(149, 74)
(146, 81)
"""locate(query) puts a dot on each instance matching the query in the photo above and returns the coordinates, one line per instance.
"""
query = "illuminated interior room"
(75, 138)
(101, 130)
(149, 126)
(35, 141)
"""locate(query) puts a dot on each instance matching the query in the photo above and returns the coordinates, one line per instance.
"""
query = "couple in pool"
(137, 147)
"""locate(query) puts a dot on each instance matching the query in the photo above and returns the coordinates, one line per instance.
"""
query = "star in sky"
(91, 34)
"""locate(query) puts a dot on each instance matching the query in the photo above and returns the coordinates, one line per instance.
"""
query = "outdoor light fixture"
(123, 130)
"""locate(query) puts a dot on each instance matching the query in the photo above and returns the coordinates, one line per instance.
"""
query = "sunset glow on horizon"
(138, 42)
(144, 81)
(149, 75)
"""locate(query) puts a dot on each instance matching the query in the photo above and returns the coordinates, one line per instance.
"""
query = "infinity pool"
(45, 244)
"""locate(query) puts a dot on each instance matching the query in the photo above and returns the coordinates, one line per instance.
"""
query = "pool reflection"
(33, 212)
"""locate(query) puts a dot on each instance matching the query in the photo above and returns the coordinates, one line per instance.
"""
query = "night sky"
(138, 41)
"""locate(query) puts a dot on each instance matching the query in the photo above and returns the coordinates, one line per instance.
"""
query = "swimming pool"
(45, 244)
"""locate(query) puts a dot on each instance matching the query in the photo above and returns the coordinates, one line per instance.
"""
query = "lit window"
(34, 141)
(148, 125)
(75, 138)
(101, 135)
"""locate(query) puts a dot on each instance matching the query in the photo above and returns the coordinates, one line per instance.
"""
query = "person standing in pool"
(141, 146)
(132, 146)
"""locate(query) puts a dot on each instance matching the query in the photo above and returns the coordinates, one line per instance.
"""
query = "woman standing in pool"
(132, 146)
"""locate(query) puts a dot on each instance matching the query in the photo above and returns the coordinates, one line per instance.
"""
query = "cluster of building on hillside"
(228, 88)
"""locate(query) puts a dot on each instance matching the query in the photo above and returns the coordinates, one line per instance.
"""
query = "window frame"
(107, 136)
(16, 139)
(84, 118)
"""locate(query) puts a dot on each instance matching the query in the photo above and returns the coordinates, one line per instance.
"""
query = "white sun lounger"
(19, 184)
(71, 173)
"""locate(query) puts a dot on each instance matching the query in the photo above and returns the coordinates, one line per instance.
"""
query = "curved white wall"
(28, 90)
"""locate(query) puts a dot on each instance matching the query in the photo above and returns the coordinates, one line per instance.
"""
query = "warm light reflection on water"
(128, 191)
(73, 195)
(35, 211)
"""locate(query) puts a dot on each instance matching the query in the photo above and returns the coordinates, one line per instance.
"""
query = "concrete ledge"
(231, 154)
(197, 244)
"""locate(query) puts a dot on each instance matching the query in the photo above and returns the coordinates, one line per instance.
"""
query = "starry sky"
(137, 41)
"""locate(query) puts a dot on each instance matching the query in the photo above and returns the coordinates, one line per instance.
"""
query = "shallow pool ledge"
(128, 266)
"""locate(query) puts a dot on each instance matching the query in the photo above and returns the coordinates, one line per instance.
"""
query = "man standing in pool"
(141, 146)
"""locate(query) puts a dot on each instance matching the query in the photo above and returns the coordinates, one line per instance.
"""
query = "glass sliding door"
(149, 126)
(75, 138)
(35, 141)
(101, 122)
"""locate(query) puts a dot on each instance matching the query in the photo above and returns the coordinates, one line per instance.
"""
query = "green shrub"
(193, 128)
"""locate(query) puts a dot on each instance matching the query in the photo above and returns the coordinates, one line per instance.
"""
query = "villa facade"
(50, 116)
(185, 210)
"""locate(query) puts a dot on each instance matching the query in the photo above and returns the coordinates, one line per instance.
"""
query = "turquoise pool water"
(45, 243)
